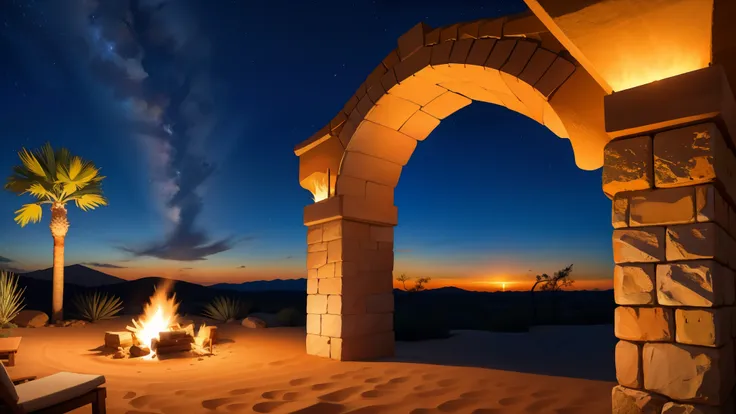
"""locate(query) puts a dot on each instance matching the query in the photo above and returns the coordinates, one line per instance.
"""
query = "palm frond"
(223, 309)
(30, 161)
(98, 306)
(88, 202)
(29, 213)
(37, 190)
(62, 156)
(47, 159)
(11, 298)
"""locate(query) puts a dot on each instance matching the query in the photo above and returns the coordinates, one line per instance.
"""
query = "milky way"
(153, 57)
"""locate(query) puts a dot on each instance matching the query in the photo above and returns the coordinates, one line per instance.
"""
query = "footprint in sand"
(340, 395)
(241, 391)
(128, 395)
(237, 407)
(517, 388)
(299, 381)
(267, 406)
(487, 411)
(454, 406)
(509, 401)
(213, 404)
(271, 395)
(446, 382)
(374, 394)
(474, 394)
(430, 377)
(543, 393)
(371, 409)
(291, 396)
(149, 401)
(322, 386)
(321, 408)
(540, 406)
(398, 380)
(340, 376)
(372, 380)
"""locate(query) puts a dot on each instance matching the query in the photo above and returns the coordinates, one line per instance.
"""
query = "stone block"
(500, 53)
(698, 241)
(446, 104)
(620, 211)
(537, 66)
(383, 142)
(317, 304)
(317, 247)
(697, 283)
(469, 30)
(347, 185)
(411, 41)
(685, 156)
(313, 323)
(346, 269)
(689, 373)
(627, 401)
(491, 28)
(560, 70)
(638, 245)
(380, 303)
(644, 324)
(460, 51)
(480, 51)
(326, 271)
(416, 89)
(312, 286)
(380, 194)
(704, 327)
(392, 111)
(348, 250)
(316, 259)
(628, 365)
(355, 325)
(660, 207)
(710, 205)
(361, 348)
(677, 408)
(519, 58)
(419, 125)
(634, 284)
(332, 286)
(318, 345)
(627, 165)
(449, 33)
(314, 234)
(347, 304)
(371, 168)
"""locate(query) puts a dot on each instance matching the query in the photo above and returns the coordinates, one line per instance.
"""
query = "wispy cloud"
(104, 265)
(241, 267)
(4, 260)
(154, 57)
(5, 264)
(186, 268)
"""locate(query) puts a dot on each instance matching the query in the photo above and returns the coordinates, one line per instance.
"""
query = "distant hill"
(282, 285)
(78, 275)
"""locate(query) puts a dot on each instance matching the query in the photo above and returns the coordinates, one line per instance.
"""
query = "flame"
(321, 190)
(159, 314)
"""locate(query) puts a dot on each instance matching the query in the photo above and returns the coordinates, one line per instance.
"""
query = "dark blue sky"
(489, 196)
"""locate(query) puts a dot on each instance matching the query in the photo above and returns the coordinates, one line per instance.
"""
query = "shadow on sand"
(585, 352)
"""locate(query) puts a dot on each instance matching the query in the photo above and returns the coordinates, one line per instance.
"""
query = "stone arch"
(666, 139)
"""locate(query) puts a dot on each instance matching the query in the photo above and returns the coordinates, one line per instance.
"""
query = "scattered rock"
(272, 320)
(31, 319)
(75, 323)
(120, 353)
(118, 339)
(254, 322)
(139, 351)
(628, 401)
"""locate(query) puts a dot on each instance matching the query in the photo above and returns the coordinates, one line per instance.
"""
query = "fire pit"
(160, 331)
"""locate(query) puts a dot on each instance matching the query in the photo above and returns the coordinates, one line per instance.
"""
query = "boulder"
(272, 319)
(139, 351)
(31, 319)
(628, 401)
(254, 322)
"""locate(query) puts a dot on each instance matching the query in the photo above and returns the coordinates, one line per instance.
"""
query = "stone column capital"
(351, 208)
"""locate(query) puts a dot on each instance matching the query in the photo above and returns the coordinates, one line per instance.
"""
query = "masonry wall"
(675, 256)
(350, 300)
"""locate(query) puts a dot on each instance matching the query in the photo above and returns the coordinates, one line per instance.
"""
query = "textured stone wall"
(350, 299)
(675, 254)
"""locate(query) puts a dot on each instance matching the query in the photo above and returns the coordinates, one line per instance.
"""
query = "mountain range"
(84, 276)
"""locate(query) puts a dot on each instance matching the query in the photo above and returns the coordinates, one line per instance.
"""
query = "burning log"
(139, 351)
(172, 341)
(117, 340)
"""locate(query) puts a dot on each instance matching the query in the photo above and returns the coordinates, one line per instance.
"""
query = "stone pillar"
(350, 299)
(671, 173)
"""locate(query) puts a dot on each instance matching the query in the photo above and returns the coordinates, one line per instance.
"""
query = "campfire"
(161, 331)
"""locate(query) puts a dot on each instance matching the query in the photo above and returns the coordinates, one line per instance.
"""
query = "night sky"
(193, 108)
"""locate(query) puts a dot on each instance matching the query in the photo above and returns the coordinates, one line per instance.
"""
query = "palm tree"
(55, 177)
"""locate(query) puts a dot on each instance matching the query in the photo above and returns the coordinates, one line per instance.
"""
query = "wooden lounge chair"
(8, 349)
(58, 393)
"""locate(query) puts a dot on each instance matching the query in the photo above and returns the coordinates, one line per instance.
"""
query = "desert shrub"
(419, 324)
(224, 309)
(96, 306)
(11, 299)
(291, 317)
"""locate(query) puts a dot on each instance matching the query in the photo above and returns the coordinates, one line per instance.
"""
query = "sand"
(267, 371)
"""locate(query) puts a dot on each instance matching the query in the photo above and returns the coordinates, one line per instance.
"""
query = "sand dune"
(266, 371)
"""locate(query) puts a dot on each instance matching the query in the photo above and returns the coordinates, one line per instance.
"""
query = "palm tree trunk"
(59, 227)
(57, 302)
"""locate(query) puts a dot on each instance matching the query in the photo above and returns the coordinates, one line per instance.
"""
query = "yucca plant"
(96, 306)
(223, 309)
(55, 177)
(11, 299)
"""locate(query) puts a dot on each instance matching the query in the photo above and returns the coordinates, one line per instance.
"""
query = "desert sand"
(267, 371)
